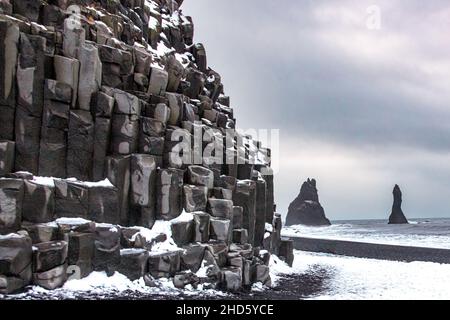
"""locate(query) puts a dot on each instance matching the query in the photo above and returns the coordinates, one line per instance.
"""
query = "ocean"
(433, 233)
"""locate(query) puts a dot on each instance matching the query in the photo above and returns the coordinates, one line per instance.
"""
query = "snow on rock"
(112, 227)
(164, 227)
(258, 287)
(45, 181)
(104, 183)
(10, 236)
(72, 221)
(50, 181)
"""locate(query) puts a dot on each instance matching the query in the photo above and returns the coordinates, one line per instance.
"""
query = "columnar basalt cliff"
(397, 216)
(306, 208)
(97, 95)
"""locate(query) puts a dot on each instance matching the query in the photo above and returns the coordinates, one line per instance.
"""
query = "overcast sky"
(359, 108)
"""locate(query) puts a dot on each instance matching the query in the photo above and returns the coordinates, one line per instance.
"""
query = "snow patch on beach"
(357, 278)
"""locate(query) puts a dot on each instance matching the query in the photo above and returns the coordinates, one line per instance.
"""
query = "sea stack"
(397, 216)
(306, 208)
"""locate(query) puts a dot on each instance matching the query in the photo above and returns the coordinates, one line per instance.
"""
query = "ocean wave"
(433, 234)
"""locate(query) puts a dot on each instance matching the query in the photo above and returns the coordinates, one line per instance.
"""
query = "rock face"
(397, 216)
(306, 208)
(108, 98)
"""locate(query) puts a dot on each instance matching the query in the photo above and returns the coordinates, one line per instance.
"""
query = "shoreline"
(372, 250)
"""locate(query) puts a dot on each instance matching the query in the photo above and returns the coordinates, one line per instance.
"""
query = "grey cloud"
(312, 69)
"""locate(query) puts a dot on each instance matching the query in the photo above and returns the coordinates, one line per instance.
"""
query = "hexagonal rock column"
(51, 279)
(90, 77)
(38, 202)
(240, 236)
(15, 262)
(201, 227)
(80, 145)
(67, 71)
(118, 172)
(9, 38)
(269, 194)
(200, 176)
(197, 82)
(103, 203)
(55, 125)
(71, 199)
(261, 273)
(124, 134)
(151, 136)
(42, 232)
(7, 157)
(27, 8)
(102, 137)
(220, 208)
(238, 216)
(49, 264)
(182, 232)
(74, 37)
(220, 229)
(219, 250)
(80, 253)
(175, 72)
(106, 249)
(275, 237)
(143, 190)
(194, 198)
(286, 251)
(192, 256)
(164, 264)
(245, 196)
(169, 193)
(175, 104)
(133, 263)
(11, 200)
(158, 81)
(232, 278)
(30, 100)
(260, 212)
(47, 255)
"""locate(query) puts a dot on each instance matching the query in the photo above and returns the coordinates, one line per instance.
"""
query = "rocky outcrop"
(107, 97)
(306, 208)
(397, 216)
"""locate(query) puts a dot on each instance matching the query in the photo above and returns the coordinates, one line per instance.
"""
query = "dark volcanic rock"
(306, 209)
(397, 216)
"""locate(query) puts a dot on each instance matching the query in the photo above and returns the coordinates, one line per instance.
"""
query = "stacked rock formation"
(98, 95)
(306, 208)
(397, 216)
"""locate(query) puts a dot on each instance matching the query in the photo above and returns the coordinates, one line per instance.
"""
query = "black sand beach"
(372, 250)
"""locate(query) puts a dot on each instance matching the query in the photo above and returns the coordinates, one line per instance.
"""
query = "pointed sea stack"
(306, 209)
(397, 216)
